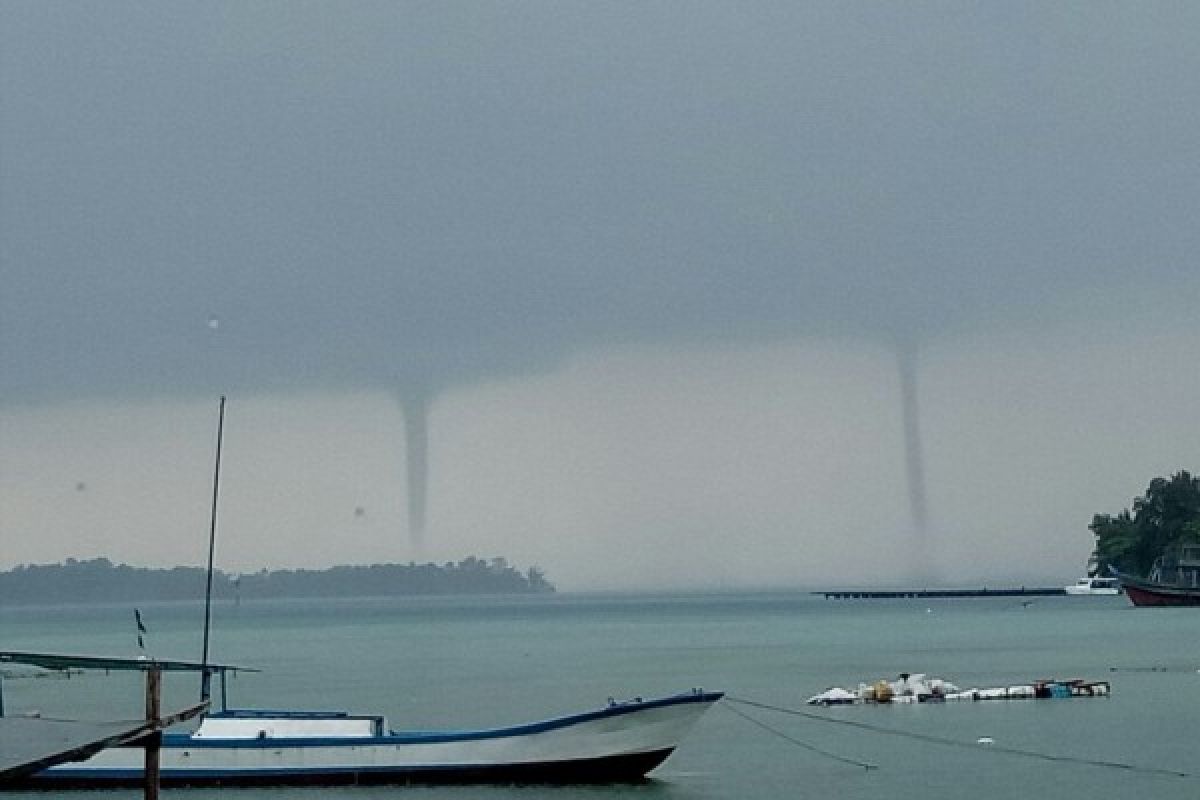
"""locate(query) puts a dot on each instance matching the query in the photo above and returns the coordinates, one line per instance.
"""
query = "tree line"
(1167, 515)
(98, 580)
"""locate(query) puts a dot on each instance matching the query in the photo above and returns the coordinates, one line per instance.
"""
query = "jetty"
(899, 594)
(30, 744)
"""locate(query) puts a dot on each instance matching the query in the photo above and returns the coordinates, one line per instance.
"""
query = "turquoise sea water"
(472, 662)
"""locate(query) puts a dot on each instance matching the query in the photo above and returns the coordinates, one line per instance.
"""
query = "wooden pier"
(904, 594)
(29, 745)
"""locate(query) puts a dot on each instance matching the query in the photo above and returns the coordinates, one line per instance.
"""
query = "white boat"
(1096, 585)
(620, 742)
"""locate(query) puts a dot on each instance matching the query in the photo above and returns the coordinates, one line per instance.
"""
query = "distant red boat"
(1145, 593)
(1174, 580)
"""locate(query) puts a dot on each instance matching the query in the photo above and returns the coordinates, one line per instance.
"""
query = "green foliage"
(1166, 515)
(99, 580)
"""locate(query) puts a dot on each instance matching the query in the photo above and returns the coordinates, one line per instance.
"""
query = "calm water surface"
(469, 662)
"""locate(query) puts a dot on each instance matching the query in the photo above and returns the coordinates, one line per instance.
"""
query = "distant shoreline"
(101, 581)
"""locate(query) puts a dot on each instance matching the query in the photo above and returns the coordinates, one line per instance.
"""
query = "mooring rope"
(931, 739)
(805, 745)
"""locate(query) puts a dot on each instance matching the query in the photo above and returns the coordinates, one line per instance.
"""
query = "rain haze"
(647, 294)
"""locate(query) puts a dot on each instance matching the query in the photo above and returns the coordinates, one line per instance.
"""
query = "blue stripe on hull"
(629, 768)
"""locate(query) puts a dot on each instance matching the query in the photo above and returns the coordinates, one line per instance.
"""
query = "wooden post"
(154, 741)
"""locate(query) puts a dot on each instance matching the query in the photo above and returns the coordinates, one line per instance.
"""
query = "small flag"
(141, 628)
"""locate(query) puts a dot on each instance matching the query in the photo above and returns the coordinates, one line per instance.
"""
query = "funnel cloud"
(914, 461)
(414, 403)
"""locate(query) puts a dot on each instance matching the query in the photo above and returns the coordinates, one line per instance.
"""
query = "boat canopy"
(59, 661)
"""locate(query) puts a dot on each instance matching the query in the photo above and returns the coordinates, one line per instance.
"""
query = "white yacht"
(1095, 585)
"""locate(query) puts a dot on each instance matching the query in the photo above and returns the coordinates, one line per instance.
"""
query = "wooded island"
(100, 581)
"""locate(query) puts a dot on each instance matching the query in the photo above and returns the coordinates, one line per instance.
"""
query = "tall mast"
(206, 676)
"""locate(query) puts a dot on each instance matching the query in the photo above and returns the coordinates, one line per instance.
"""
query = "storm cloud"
(362, 192)
(411, 197)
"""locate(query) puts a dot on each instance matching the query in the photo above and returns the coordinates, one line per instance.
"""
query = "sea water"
(455, 663)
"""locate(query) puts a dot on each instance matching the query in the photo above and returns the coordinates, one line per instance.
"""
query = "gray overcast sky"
(649, 259)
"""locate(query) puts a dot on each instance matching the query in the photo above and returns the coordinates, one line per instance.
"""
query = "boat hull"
(1144, 593)
(620, 743)
(1162, 596)
(631, 768)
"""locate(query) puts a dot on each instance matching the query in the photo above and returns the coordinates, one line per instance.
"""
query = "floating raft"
(918, 689)
(893, 594)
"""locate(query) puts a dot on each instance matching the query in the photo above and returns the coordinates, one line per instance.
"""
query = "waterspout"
(922, 567)
(414, 402)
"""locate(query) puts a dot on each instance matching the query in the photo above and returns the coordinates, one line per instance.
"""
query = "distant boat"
(1174, 580)
(1151, 593)
(620, 742)
(1100, 586)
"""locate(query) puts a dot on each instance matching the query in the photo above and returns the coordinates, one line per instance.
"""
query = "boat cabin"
(1178, 566)
(1098, 583)
(259, 724)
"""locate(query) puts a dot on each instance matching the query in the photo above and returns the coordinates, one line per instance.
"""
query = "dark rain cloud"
(382, 194)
